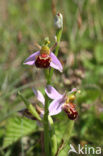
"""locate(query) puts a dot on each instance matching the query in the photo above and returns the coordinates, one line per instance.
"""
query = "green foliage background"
(81, 52)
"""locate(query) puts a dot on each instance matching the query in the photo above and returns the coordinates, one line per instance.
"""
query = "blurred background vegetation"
(22, 23)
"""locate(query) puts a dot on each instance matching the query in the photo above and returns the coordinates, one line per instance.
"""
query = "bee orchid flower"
(62, 102)
(44, 58)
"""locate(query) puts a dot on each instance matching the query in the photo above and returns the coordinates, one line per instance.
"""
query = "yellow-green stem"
(58, 35)
(53, 139)
(46, 123)
(46, 127)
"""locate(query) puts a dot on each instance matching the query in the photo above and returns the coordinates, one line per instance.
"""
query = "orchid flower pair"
(60, 102)
(43, 59)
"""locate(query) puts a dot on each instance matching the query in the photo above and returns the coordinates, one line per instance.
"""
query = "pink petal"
(55, 63)
(52, 92)
(31, 59)
(39, 96)
(74, 90)
(56, 107)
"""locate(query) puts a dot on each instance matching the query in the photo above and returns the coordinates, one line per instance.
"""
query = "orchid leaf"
(16, 128)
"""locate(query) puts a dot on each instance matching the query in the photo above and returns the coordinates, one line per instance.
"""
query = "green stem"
(46, 123)
(58, 35)
(46, 127)
(70, 130)
(53, 140)
(29, 106)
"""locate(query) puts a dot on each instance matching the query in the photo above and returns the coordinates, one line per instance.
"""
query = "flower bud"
(46, 41)
(58, 21)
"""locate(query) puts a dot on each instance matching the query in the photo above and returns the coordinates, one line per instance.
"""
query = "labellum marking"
(70, 110)
(43, 61)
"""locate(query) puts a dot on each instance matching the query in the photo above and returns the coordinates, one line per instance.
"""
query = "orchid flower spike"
(44, 58)
(62, 102)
